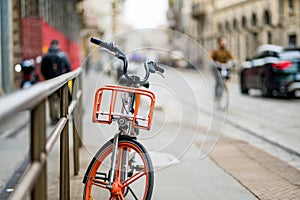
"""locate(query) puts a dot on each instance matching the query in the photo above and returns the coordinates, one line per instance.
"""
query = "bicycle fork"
(113, 159)
(123, 161)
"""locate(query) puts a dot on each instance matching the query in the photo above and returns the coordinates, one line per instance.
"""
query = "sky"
(146, 13)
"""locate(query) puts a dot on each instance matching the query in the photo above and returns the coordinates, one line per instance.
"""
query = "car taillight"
(282, 65)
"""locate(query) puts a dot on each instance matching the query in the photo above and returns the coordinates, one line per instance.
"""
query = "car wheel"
(264, 89)
(291, 94)
(243, 88)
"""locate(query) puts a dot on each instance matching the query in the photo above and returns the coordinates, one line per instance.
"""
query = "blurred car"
(274, 70)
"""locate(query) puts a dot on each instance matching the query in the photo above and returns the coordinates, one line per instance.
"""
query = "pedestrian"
(54, 63)
(221, 55)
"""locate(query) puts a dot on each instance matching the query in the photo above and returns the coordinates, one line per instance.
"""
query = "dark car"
(274, 70)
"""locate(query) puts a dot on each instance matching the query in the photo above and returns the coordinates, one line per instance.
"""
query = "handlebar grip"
(96, 41)
(108, 45)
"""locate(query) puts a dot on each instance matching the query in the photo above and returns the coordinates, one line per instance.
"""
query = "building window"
(291, 7)
(281, 7)
(244, 22)
(292, 40)
(269, 37)
(227, 26)
(235, 25)
(254, 40)
(220, 28)
(267, 17)
(253, 20)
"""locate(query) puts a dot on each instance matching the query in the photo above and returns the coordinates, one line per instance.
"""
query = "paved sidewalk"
(264, 175)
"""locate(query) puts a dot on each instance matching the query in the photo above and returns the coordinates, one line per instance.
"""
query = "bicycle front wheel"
(226, 97)
(133, 175)
(223, 102)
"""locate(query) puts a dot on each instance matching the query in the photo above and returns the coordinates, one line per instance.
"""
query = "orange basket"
(108, 105)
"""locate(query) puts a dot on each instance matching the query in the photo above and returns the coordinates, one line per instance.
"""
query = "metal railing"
(34, 180)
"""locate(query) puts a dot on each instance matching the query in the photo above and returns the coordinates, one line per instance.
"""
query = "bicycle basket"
(111, 103)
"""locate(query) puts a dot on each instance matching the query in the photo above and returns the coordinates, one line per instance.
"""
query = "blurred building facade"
(179, 17)
(245, 23)
(28, 26)
(102, 19)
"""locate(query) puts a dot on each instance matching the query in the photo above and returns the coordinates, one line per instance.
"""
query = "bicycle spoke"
(119, 165)
(131, 191)
(121, 197)
(133, 178)
(100, 183)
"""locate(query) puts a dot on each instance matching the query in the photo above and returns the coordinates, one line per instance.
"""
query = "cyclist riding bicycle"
(222, 57)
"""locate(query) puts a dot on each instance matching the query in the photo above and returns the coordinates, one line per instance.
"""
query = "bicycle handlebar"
(150, 66)
(227, 65)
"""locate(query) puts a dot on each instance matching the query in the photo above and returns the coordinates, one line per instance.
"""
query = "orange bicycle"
(122, 167)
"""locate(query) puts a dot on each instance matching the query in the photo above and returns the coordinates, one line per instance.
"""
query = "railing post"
(64, 147)
(75, 128)
(80, 111)
(38, 143)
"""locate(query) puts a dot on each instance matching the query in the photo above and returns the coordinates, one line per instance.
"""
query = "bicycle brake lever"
(162, 75)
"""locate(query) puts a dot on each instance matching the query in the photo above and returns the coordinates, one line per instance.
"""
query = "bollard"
(38, 146)
(64, 147)
(75, 128)
(80, 110)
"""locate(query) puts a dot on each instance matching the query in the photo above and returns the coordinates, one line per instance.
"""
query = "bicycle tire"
(223, 102)
(227, 94)
(125, 142)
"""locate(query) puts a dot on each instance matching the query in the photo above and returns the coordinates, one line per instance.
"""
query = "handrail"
(30, 97)
(34, 179)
